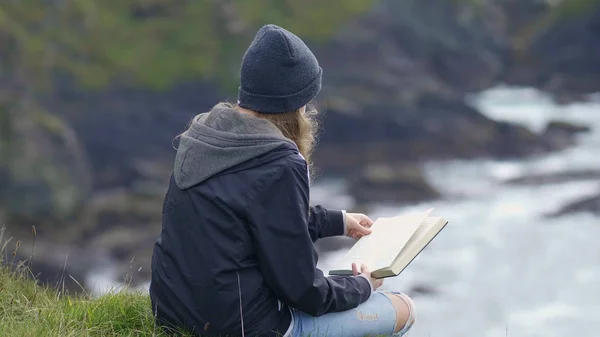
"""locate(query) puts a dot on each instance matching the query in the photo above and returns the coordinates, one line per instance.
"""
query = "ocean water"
(500, 268)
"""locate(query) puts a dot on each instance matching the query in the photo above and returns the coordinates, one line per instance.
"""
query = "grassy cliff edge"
(30, 309)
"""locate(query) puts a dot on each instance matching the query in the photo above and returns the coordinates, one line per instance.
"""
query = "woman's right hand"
(364, 270)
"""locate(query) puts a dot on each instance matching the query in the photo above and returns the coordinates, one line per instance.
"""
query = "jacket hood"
(220, 139)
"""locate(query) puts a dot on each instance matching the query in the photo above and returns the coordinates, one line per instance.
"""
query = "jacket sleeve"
(324, 222)
(278, 223)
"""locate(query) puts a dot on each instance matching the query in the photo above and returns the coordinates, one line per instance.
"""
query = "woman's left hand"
(358, 225)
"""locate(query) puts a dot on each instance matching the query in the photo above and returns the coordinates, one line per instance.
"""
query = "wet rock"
(588, 205)
(391, 184)
(562, 134)
(566, 127)
(555, 178)
(422, 290)
(435, 128)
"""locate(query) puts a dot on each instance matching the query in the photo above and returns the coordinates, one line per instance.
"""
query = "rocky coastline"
(393, 97)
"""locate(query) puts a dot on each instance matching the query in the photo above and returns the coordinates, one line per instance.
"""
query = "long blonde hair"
(298, 126)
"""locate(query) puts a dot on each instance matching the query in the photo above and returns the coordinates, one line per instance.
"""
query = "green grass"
(29, 309)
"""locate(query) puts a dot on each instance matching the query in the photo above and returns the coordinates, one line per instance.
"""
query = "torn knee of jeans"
(409, 319)
(411, 314)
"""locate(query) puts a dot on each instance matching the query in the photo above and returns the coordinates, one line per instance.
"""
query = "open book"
(392, 245)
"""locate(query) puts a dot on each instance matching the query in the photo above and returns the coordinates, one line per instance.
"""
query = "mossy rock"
(45, 170)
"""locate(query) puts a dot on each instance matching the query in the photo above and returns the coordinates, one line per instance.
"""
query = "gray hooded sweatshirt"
(220, 139)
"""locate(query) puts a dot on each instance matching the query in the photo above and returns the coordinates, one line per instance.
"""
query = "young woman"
(235, 256)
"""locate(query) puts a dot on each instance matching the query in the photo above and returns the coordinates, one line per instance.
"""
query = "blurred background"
(486, 110)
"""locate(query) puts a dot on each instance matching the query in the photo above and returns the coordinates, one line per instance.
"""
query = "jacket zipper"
(240, 293)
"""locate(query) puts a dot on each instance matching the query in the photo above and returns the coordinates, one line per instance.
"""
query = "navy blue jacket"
(239, 245)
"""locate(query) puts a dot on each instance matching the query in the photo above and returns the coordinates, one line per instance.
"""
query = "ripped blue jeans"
(375, 317)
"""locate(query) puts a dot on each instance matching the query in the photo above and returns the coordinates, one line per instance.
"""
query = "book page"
(381, 247)
(424, 234)
(420, 233)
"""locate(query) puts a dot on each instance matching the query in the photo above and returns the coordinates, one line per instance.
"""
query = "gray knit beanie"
(279, 73)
